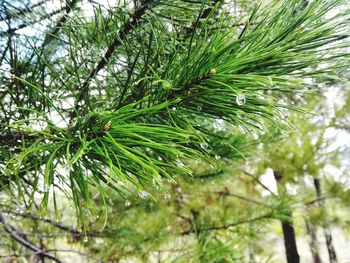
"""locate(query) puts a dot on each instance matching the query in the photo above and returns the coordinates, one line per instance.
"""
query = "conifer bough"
(164, 86)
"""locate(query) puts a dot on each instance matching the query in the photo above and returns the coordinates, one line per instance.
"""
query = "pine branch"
(223, 78)
(74, 232)
(227, 226)
(60, 226)
(259, 182)
(11, 138)
(24, 25)
(70, 4)
(20, 11)
(122, 34)
(244, 198)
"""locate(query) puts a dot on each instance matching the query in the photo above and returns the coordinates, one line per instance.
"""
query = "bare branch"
(23, 241)
(224, 227)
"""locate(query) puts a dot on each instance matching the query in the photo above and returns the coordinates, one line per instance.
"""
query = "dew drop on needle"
(241, 99)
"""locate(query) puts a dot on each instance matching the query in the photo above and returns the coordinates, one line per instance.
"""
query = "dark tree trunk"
(288, 229)
(290, 242)
(327, 232)
(330, 246)
(313, 242)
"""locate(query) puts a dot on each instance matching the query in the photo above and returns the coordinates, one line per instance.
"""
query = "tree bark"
(327, 232)
(290, 244)
(290, 241)
(313, 242)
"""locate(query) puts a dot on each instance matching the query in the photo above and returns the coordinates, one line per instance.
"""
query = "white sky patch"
(308, 180)
(38, 125)
(334, 96)
(3, 25)
(269, 181)
(53, 5)
(292, 189)
(102, 75)
(68, 103)
(57, 119)
(342, 138)
(88, 8)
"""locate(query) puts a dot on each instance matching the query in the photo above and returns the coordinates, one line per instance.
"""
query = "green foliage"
(159, 93)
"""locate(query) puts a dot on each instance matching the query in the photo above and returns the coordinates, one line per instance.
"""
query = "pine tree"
(127, 97)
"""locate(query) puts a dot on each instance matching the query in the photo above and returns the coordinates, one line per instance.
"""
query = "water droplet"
(204, 146)
(86, 239)
(285, 115)
(180, 163)
(217, 157)
(160, 158)
(241, 99)
(173, 108)
(167, 196)
(271, 82)
(148, 149)
(144, 195)
(127, 202)
(156, 180)
(67, 168)
(199, 108)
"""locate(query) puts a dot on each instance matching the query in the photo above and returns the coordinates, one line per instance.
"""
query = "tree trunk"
(288, 229)
(290, 242)
(313, 242)
(330, 246)
(327, 232)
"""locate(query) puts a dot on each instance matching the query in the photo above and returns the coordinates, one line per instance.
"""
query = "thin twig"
(23, 241)
(125, 30)
(58, 225)
(215, 228)
(259, 182)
